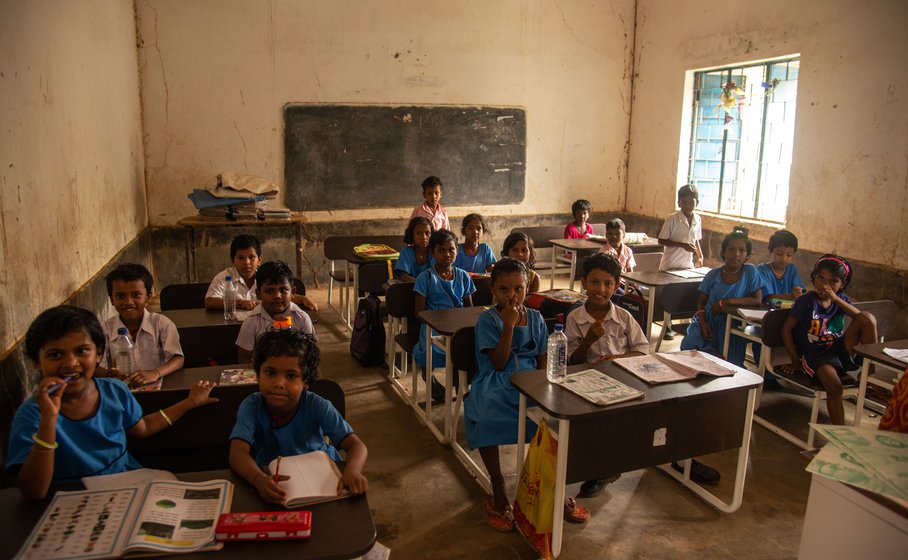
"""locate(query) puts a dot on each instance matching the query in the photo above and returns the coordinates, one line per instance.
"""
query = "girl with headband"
(815, 336)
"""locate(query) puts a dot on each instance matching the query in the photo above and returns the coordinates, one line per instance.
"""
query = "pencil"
(277, 470)
(56, 388)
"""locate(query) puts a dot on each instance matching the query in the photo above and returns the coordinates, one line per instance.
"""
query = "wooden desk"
(193, 223)
(199, 440)
(445, 322)
(655, 280)
(873, 354)
(205, 336)
(696, 418)
(573, 246)
(340, 529)
(353, 262)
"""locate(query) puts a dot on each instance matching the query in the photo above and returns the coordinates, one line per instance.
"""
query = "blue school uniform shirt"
(315, 418)
(715, 289)
(406, 262)
(773, 285)
(87, 447)
(817, 327)
(491, 407)
(439, 294)
(479, 263)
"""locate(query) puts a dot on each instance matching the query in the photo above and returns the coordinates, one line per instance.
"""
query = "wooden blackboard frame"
(339, 157)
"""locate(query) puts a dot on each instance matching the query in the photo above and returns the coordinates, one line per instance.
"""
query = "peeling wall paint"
(849, 175)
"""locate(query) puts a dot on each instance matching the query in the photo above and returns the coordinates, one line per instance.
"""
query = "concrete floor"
(427, 505)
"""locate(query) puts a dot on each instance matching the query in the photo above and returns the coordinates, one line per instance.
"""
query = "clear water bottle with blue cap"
(122, 353)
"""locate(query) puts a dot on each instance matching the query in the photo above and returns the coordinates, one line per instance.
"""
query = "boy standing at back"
(274, 281)
(432, 208)
(156, 342)
(600, 330)
(680, 235)
(246, 255)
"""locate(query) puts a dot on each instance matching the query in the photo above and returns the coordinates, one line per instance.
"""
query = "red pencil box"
(264, 525)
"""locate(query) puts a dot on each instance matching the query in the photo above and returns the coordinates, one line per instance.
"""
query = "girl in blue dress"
(415, 258)
(442, 286)
(733, 283)
(473, 255)
(509, 338)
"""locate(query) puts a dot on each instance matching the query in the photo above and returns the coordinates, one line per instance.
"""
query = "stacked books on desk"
(670, 367)
(238, 197)
(162, 517)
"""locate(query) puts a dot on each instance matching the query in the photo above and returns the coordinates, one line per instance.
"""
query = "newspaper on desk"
(599, 388)
(868, 458)
(900, 354)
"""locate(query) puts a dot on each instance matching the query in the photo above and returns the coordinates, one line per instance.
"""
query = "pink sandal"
(574, 512)
(503, 522)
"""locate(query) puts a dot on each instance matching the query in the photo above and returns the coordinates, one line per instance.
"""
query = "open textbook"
(314, 477)
(164, 517)
(670, 367)
(599, 388)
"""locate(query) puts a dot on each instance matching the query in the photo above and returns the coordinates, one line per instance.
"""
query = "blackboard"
(367, 156)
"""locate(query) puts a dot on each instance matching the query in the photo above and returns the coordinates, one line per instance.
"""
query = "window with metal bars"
(742, 132)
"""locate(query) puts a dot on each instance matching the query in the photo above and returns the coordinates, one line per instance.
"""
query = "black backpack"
(367, 344)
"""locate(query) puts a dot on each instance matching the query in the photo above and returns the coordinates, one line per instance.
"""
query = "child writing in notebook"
(75, 424)
(443, 286)
(519, 245)
(509, 338)
(580, 227)
(815, 336)
(432, 208)
(734, 283)
(285, 418)
(680, 235)
(473, 255)
(780, 276)
(415, 258)
(156, 342)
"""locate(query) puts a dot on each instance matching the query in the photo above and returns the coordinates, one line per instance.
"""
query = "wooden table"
(193, 223)
(205, 335)
(873, 354)
(445, 322)
(573, 246)
(655, 280)
(340, 529)
(692, 418)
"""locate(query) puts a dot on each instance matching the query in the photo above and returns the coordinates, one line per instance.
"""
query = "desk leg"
(728, 322)
(573, 268)
(564, 436)
(449, 391)
(346, 296)
(521, 433)
(440, 436)
(650, 306)
(552, 278)
(740, 470)
(862, 391)
(355, 298)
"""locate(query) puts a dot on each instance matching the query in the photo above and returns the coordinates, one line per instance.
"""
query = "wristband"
(167, 418)
(43, 443)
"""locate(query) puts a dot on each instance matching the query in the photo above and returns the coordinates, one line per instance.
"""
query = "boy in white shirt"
(680, 235)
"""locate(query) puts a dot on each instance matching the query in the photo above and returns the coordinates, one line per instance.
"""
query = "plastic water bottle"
(121, 352)
(230, 300)
(556, 368)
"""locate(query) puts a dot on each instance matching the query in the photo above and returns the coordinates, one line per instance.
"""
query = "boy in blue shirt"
(284, 418)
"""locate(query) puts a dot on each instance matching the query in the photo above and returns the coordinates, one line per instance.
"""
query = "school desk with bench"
(340, 529)
(672, 422)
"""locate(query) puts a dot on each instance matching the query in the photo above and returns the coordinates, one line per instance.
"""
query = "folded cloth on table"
(238, 185)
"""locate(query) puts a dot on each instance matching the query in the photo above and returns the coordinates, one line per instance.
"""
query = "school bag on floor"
(367, 344)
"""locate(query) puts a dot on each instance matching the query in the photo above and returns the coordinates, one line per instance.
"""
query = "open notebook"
(313, 478)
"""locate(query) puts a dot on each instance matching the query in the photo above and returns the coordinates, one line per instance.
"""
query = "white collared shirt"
(156, 341)
(622, 333)
(219, 283)
(678, 228)
(259, 320)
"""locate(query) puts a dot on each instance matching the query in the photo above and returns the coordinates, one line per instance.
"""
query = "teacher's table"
(205, 336)
(655, 280)
(445, 322)
(340, 529)
(199, 440)
(673, 422)
(354, 261)
(873, 354)
(193, 223)
(572, 246)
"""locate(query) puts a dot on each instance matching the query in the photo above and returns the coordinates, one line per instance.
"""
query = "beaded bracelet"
(43, 443)
(167, 418)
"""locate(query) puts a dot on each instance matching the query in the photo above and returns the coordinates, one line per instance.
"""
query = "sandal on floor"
(501, 522)
(574, 512)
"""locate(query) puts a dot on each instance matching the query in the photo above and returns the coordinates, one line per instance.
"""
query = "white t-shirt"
(678, 228)
(218, 285)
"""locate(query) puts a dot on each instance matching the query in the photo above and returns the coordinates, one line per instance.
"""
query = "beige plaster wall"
(216, 75)
(849, 176)
(71, 175)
